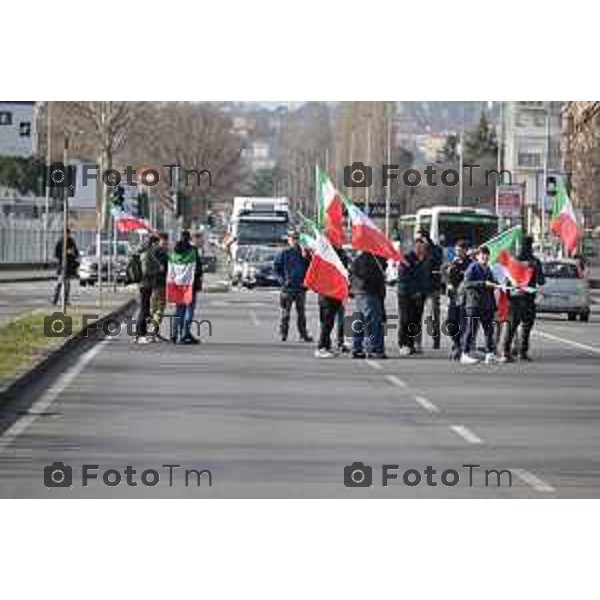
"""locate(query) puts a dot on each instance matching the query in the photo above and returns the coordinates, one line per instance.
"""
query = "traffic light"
(119, 197)
(143, 205)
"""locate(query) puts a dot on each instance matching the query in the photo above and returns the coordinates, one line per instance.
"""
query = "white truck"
(255, 221)
(258, 222)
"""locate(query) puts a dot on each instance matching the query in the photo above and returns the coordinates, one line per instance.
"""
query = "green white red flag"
(503, 263)
(563, 222)
(330, 213)
(326, 274)
(180, 277)
(367, 236)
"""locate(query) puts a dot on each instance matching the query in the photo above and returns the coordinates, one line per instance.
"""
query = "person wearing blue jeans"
(369, 307)
(367, 277)
(184, 313)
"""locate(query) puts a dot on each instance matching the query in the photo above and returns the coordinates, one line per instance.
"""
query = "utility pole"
(65, 271)
(49, 175)
(545, 176)
(388, 189)
(500, 136)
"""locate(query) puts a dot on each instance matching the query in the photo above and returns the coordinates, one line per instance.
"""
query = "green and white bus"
(448, 224)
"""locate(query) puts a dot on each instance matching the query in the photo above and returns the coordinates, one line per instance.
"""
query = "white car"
(566, 290)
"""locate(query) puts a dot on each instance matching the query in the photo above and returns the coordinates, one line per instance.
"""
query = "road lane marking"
(396, 381)
(568, 342)
(466, 434)
(535, 482)
(374, 364)
(254, 318)
(49, 396)
(426, 404)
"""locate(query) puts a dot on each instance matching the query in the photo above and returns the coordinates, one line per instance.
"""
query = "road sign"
(510, 200)
(377, 209)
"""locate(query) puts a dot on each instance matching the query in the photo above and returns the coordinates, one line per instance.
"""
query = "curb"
(23, 381)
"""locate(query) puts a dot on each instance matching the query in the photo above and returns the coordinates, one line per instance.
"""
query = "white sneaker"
(465, 359)
(143, 340)
(490, 358)
(324, 353)
(404, 351)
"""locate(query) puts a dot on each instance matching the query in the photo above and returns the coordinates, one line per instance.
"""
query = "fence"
(28, 241)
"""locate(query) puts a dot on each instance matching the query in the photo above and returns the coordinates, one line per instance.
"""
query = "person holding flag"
(563, 222)
(527, 275)
(328, 277)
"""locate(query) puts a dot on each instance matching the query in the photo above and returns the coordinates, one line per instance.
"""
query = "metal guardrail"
(29, 241)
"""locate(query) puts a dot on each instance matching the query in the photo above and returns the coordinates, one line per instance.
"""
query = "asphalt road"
(269, 420)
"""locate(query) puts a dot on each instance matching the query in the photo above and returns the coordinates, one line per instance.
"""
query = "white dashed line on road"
(535, 482)
(49, 396)
(568, 342)
(374, 364)
(466, 434)
(426, 404)
(396, 381)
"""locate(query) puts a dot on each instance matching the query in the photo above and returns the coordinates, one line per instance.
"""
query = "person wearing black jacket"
(522, 306)
(435, 260)
(367, 280)
(479, 301)
(413, 285)
(290, 267)
(455, 273)
(72, 266)
(341, 314)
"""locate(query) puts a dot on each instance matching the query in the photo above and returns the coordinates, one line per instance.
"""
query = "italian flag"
(330, 214)
(326, 274)
(502, 261)
(563, 223)
(180, 278)
(368, 237)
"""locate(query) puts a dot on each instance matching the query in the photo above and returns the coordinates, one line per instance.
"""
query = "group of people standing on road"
(152, 260)
(423, 278)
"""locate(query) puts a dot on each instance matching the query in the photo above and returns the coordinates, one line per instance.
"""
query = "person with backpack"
(145, 272)
(160, 257)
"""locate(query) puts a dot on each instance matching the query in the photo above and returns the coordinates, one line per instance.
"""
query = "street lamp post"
(65, 272)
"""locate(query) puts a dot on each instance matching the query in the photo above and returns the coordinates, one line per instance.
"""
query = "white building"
(531, 140)
(17, 128)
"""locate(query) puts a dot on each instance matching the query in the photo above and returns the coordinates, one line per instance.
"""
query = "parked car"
(88, 268)
(566, 290)
(258, 268)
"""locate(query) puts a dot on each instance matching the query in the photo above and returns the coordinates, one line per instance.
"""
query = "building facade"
(17, 122)
(531, 135)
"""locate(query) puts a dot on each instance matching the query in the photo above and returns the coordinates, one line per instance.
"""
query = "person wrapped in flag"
(184, 280)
